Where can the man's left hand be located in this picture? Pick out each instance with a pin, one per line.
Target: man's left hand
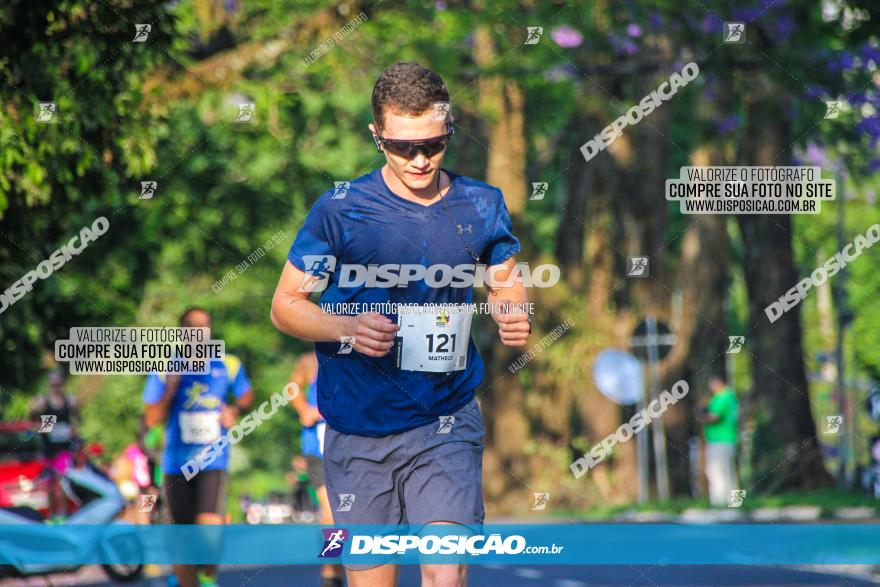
(513, 327)
(228, 416)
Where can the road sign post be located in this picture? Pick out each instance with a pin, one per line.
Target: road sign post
(652, 341)
(620, 377)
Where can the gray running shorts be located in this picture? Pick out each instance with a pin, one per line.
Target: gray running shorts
(433, 473)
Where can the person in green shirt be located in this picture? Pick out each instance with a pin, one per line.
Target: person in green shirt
(720, 427)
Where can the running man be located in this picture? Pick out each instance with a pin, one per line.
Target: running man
(195, 411)
(385, 459)
(305, 376)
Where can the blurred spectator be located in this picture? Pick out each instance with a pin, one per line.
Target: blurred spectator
(720, 427)
(132, 474)
(304, 499)
(56, 417)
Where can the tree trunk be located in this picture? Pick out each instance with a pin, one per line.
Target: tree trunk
(587, 246)
(502, 104)
(579, 179)
(702, 334)
(787, 451)
(703, 272)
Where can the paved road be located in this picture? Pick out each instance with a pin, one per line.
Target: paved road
(559, 576)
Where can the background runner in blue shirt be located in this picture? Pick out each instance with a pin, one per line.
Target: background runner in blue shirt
(197, 394)
(192, 407)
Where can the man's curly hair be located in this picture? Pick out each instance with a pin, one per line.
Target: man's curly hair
(406, 88)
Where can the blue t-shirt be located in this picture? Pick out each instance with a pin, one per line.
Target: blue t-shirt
(367, 224)
(310, 445)
(197, 393)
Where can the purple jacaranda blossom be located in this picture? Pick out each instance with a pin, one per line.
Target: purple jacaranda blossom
(870, 53)
(815, 155)
(614, 40)
(857, 98)
(622, 45)
(655, 20)
(727, 124)
(842, 61)
(231, 6)
(847, 60)
(745, 14)
(781, 28)
(440, 5)
(561, 72)
(710, 93)
(711, 25)
(566, 36)
(633, 30)
(816, 92)
(756, 10)
(870, 127)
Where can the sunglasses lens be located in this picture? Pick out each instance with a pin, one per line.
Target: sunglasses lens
(434, 147)
(401, 149)
(410, 149)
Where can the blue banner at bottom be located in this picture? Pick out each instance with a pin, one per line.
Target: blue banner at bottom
(531, 544)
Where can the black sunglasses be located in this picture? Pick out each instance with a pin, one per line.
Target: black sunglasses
(409, 149)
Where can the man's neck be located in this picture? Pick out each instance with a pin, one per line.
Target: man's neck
(425, 196)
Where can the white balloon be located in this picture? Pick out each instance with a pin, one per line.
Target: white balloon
(619, 376)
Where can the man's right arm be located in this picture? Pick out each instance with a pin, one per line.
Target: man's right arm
(293, 314)
(157, 412)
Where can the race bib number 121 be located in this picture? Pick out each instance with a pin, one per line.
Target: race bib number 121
(435, 342)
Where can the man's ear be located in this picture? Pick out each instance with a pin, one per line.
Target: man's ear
(375, 134)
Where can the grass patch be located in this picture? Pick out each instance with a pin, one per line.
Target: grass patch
(827, 499)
